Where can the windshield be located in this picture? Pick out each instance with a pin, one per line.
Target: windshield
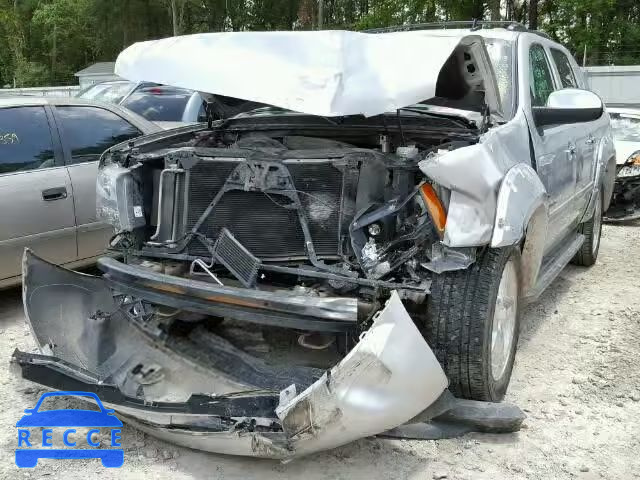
(501, 61)
(626, 128)
(108, 92)
(159, 103)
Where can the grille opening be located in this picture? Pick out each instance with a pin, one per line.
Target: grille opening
(260, 221)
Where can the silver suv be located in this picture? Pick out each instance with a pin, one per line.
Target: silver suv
(339, 258)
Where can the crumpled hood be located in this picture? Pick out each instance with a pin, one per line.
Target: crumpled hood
(328, 73)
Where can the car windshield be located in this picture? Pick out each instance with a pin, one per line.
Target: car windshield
(501, 61)
(626, 128)
(107, 92)
(159, 103)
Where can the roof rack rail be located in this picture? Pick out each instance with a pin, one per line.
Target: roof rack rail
(473, 25)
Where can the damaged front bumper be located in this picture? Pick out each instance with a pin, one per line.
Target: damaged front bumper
(204, 393)
(200, 391)
(257, 306)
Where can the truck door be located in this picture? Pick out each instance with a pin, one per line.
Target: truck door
(586, 134)
(557, 156)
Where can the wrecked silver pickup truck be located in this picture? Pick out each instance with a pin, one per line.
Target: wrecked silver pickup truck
(322, 267)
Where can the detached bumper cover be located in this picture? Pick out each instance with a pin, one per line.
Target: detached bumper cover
(202, 392)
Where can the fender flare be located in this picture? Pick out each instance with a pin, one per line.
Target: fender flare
(606, 171)
(604, 178)
(608, 180)
(522, 213)
(521, 194)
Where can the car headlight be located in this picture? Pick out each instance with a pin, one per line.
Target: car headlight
(631, 167)
(118, 199)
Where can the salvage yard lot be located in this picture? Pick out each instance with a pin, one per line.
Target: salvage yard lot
(577, 377)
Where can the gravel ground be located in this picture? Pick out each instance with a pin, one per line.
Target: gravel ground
(577, 377)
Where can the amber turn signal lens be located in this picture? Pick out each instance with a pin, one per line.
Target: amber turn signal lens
(436, 210)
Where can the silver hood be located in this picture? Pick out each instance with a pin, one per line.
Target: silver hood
(327, 73)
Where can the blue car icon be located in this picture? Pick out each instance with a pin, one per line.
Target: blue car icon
(28, 457)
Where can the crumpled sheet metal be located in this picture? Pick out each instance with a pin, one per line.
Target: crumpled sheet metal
(328, 73)
(388, 378)
(521, 193)
(474, 174)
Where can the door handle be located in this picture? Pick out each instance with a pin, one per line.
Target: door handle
(56, 193)
(572, 149)
(591, 140)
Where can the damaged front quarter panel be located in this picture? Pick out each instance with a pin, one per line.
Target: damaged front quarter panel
(473, 175)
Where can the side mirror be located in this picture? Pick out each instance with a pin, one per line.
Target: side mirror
(570, 105)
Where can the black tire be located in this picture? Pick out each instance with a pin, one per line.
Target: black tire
(592, 231)
(458, 324)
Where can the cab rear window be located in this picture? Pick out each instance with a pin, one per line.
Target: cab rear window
(158, 103)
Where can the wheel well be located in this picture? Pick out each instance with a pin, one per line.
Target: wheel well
(533, 248)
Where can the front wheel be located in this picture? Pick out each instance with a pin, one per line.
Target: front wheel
(592, 230)
(473, 321)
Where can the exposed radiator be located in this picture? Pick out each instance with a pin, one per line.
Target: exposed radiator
(258, 220)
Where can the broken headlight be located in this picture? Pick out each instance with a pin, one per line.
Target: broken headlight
(385, 236)
(118, 198)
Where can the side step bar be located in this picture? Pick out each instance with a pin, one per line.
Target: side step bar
(553, 265)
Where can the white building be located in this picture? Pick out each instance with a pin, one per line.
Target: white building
(96, 73)
(616, 85)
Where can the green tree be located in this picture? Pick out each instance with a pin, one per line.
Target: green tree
(46, 41)
(64, 27)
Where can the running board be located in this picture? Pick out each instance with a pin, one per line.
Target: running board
(553, 265)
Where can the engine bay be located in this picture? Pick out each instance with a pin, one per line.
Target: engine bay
(288, 212)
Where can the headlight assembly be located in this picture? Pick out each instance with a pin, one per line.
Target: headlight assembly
(631, 167)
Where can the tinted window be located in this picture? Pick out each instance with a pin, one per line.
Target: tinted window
(541, 81)
(160, 103)
(89, 131)
(25, 139)
(567, 78)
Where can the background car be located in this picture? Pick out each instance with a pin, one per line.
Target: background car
(49, 151)
(625, 204)
(170, 106)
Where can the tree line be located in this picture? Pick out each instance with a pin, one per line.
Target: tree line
(46, 41)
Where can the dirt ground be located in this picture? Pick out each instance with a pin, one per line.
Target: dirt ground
(577, 377)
